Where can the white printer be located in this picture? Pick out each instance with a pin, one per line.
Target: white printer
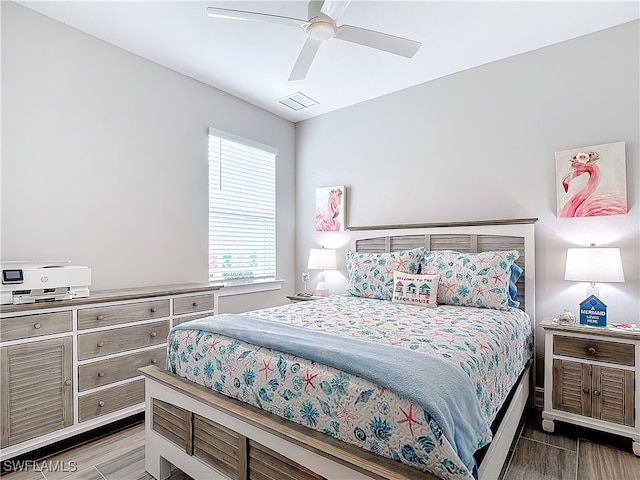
(30, 282)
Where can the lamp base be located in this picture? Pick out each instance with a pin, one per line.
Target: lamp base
(322, 289)
(593, 289)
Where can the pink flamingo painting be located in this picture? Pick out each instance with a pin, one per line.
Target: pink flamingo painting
(586, 202)
(329, 220)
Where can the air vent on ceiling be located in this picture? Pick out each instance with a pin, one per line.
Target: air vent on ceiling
(297, 101)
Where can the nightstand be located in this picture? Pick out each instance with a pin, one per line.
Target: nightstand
(591, 376)
(303, 298)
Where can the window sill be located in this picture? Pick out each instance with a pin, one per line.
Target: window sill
(250, 287)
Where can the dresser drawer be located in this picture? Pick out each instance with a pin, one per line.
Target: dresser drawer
(115, 314)
(188, 318)
(591, 349)
(110, 400)
(193, 304)
(27, 326)
(104, 372)
(117, 340)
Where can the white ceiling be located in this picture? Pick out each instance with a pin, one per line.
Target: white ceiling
(253, 60)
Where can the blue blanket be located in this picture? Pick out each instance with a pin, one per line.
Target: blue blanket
(438, 386)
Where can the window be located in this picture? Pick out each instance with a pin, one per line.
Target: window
(242, 209)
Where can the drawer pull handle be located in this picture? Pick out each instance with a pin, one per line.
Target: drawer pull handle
(100, 344)
(195, 304)
(153, 310)
(37, 326)
(154, 361)
(101, 403)
(67, 383)
(596, 393)
(100, 317)
(585, 390)
(592, 350)
(154, 334)
(101, 374)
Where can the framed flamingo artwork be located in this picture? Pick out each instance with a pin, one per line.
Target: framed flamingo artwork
(330, 209)
(591, 181)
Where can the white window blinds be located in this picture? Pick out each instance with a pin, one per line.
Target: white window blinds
(242, 209)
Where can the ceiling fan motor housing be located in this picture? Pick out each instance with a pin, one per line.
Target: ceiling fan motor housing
(321, 30)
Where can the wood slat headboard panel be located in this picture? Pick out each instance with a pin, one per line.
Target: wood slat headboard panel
(460, 242)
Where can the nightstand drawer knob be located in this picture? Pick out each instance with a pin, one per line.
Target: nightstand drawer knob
(592, 350)
(100, 344)
(101, 403)
(37, 326)
(153, 310)
(195, 304)
(596, 393)
(101, 374)
(585, 390)
(153, 334)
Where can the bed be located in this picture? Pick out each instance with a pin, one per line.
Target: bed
(335, 388)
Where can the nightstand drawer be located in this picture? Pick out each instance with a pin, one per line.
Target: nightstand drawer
(591, 349)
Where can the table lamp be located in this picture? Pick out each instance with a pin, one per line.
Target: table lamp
(594, 265)
(322, 259)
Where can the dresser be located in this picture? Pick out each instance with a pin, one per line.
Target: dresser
(591, 378)
(70, 366)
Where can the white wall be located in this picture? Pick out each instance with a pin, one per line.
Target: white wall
(479, 145)
(104, 159)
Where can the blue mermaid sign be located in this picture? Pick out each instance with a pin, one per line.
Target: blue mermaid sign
(593, 312)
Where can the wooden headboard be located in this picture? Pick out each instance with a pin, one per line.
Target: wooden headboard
(462, 237)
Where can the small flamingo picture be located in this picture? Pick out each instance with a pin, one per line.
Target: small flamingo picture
(591, 181)
(330, 214)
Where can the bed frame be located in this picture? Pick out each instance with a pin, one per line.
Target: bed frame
(209, 435)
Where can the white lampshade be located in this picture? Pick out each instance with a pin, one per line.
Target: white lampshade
(592, 264)
(322, 259)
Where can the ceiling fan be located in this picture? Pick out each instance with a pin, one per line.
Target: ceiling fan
(321, 26)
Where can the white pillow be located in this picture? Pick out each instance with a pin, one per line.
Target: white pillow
(415, 289)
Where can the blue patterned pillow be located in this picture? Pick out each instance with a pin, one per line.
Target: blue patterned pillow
(472, 279)
(370, 275)
(516, 272)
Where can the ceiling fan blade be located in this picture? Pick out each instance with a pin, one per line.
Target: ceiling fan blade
(334, 8)
(228, 13)
(307, 54)
(314, 8)
(378, 40)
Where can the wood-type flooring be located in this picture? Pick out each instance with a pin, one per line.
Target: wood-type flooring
(571, 453)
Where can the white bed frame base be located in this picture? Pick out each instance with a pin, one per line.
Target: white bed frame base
(161, 454)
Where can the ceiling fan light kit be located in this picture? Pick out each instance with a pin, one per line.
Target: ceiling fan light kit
(321, 30)
(321, 26)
